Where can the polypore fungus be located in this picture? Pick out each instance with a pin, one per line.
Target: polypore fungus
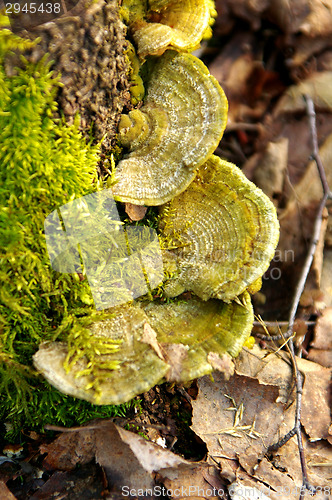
(179, 25)
(178, 127)
(189, 338)
(204, 328)
(222, 232)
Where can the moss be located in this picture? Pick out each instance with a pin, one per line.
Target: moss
(44, 163)
(136, 83)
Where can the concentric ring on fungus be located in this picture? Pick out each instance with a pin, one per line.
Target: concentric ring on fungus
(225, 231)
(178, 127)
(173, 24)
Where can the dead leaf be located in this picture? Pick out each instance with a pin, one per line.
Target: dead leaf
(286, 459)
(319, 21)
(223, 363)
(304, 48)
(326, 280)
(135, 212)
(315, 399)
(83, 483)
(237, 417)
(317, 86)
(267, 368)
(69, 450)
(271, 166)
(309, 189)
(150, 337)
(296, 228)
(288, 15)
(191, 481)
(175, 354)
(321, 356)
(323, 331)
(128, 460)
(231, 439)
(5, 493)
(152, 457)
(121, 466)
(315, 415)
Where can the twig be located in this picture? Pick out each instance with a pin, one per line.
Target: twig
(275, 324)
(296, 299)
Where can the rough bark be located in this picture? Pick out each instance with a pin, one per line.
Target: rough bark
(87, 47)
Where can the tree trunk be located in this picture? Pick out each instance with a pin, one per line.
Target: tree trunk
(87, 47)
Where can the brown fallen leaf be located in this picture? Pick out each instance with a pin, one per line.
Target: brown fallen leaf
(267, 368)
(323, 330)
(121, 466)
(326, 279)
(305, 47)
(150, 337)
(319, 21)
(236, 417)
(129, 461)
(135, 212)
(83, 483)
(320, 349)
(315, 415)
(315, 399)
(286, 459)
(193, 481)
(5, 493)
(317, 86)
(248, 10)
(270, 167)
(223, 363)
(238, 420)
(69, 450)
(288, 16)
(309, 189)
(296, 228)
(175, 354)
(321, 356)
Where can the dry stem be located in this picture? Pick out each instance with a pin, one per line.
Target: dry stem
(296, 299)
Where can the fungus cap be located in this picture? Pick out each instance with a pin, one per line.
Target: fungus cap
(178, 127)
(195, 328)
(223, 230)
(177, 25)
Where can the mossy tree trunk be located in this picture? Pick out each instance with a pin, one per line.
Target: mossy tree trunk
(43, 164)
(87, 48)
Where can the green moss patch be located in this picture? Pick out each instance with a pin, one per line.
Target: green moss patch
(44, 163)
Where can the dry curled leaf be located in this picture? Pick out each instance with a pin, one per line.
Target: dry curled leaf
(150, 337)
(135, 212)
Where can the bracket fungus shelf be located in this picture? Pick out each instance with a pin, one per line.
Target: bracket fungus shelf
(158, 342)
(217, 230)
(173, 24)
(223, 231)
(176, 130)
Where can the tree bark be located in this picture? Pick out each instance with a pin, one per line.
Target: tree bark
(87, 47)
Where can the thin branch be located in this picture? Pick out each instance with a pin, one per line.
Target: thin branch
(296, 299)
(275, 324)
(314, 139)
(279, 324)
